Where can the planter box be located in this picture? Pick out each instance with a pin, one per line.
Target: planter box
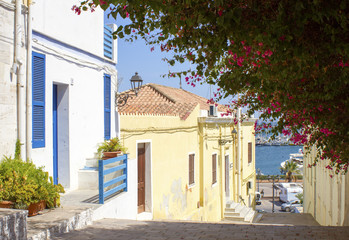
(6, 204)
(107, 155)
(35, 208)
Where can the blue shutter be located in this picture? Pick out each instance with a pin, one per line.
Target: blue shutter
(38, 99)
(107, 101)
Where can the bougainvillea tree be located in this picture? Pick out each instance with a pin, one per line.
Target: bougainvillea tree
(287, 59)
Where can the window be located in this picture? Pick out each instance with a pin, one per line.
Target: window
(108, 42)
(38, 100)
(107, 102)
(249, 152)
(214, 168)
(191, 169)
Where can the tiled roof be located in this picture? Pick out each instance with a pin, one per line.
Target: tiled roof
(154, 99)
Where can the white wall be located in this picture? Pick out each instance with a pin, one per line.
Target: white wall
(73, 46)
(8, 96)
(123, 206)
(56, 19)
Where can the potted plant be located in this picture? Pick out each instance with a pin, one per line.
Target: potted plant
(27, 186)
(110, 148)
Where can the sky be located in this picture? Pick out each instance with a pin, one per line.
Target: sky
(137, 57)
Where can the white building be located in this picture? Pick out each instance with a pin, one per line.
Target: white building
(66, 94)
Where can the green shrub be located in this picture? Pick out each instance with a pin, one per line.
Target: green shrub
(23, 183)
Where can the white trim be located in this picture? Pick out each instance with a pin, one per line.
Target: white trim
(150, 154)
(193, 184)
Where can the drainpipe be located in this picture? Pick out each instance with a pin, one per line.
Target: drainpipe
(239, 155)
(221, 174)
(28, 83)
(17, 67)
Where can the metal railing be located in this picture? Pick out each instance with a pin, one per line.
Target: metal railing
(108, 42)
(118, 178)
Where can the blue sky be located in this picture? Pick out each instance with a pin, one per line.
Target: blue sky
(137, 57)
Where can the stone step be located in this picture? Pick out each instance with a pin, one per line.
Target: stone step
(250, 215)
(92, 162)
(88, 179)
(231, 204)
(236, 218)
(231, 214)
(58, 221)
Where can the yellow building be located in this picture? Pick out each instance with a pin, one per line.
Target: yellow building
(191, 161)
(325, 197)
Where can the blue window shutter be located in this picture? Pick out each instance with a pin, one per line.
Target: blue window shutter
(107, 103)
(38, 99)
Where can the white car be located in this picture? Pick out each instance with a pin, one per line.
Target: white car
(289, 206)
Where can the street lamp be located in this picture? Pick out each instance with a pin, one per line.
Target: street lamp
(273, 179)
(136, 83)
(224, 141)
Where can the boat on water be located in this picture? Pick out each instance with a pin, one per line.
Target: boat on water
(297, 158)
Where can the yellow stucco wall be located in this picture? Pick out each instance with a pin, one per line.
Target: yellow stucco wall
(326, 198)
(171, 140)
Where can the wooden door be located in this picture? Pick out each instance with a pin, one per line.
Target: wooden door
(141, 177)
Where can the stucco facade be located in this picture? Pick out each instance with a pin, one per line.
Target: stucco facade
(73, 68)
(326, 198)
(169, 140)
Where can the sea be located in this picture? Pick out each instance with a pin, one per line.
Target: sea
(269, 158)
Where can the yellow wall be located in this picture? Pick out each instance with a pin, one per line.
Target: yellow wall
(172, 140)
(326, 198)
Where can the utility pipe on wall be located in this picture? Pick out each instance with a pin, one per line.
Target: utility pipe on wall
(28, 83)
(239, 154)
(19, 72)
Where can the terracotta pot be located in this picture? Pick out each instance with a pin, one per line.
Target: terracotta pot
(107, 155)
(6, 204)
(35, 208)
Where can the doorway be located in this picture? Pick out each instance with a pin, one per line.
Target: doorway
(141, 177)
(60, 134)
(55, 131)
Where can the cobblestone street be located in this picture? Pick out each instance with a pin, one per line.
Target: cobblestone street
(110, 229)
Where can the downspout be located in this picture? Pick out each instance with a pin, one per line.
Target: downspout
(28, 83)
(239, 155)
(17, 67)
(221, 173)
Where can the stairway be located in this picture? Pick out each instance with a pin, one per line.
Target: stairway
(88, 176)
(238, 213)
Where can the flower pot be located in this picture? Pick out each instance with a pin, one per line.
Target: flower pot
(35, 208)
(107, 155)
(6, 204)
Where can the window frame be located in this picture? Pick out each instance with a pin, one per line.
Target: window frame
(107, 106)
(214, 171)
(249, 155)
(38, 143)
(191, 184)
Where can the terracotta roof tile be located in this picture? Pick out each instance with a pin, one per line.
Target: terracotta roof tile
(154, 99)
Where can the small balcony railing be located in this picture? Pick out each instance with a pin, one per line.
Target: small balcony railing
(112, 178)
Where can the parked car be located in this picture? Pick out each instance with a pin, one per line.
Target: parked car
(290, 205)
(258, 198)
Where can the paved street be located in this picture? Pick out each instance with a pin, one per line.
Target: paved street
(267, 205)
(110, 229)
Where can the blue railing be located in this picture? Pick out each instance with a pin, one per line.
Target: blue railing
(108, 42)
(120, 179)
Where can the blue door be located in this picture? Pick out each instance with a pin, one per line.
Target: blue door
(55, 142)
